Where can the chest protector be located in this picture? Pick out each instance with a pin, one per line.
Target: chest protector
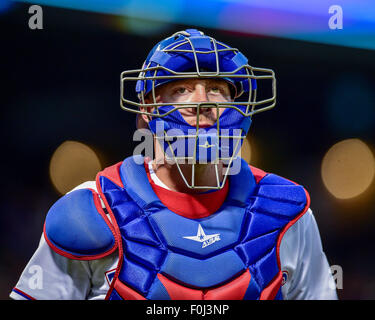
(232, 254)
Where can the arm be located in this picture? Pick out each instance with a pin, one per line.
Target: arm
(50, 276)
(70, 264)
(302, 257)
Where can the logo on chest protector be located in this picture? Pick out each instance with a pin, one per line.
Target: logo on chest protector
(206, 239)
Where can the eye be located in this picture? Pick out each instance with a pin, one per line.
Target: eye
(180, 90)
(215, 90)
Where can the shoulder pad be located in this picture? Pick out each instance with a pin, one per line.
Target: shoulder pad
(77, 227)
(282, 197)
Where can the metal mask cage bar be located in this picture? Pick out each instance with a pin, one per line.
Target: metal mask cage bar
(197, 74)
(225, 161)
(219, 185)
(251, 103)
(192, 159)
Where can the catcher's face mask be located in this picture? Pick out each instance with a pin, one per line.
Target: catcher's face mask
(192, 55)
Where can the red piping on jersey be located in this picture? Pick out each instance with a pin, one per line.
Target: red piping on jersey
(281, 235)
(113, 174)
(21, 293)
(86, 257)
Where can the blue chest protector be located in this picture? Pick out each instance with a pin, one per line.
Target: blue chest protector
(230, 254)
(167, 256)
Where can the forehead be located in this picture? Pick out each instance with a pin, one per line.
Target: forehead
(194, 82)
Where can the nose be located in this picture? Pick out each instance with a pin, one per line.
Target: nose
(199, 95)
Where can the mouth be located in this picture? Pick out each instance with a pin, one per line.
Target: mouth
(203, 125)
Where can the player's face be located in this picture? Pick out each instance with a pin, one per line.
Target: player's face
(196, 90)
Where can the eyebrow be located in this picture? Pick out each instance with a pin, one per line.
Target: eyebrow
(192, 81)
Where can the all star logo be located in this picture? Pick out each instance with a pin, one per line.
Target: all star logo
(205, 239)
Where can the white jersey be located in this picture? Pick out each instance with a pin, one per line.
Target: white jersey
(50, 276)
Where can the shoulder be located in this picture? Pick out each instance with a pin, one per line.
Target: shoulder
(300, 230)
(76, 225)
(268, 178)
(299, 239)
(281, 194)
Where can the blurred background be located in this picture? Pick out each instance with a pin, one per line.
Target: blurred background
(61, 121)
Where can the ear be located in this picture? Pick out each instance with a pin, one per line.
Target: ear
(142, 121)
(143, 117)
(148, 100)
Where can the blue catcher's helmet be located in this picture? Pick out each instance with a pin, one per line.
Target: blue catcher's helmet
(190, 54)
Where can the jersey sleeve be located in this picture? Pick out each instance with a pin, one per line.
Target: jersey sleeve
(51, 276)
(305, 267)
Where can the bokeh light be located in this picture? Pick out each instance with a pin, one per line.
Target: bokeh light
(72, 164)
(348, 168)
